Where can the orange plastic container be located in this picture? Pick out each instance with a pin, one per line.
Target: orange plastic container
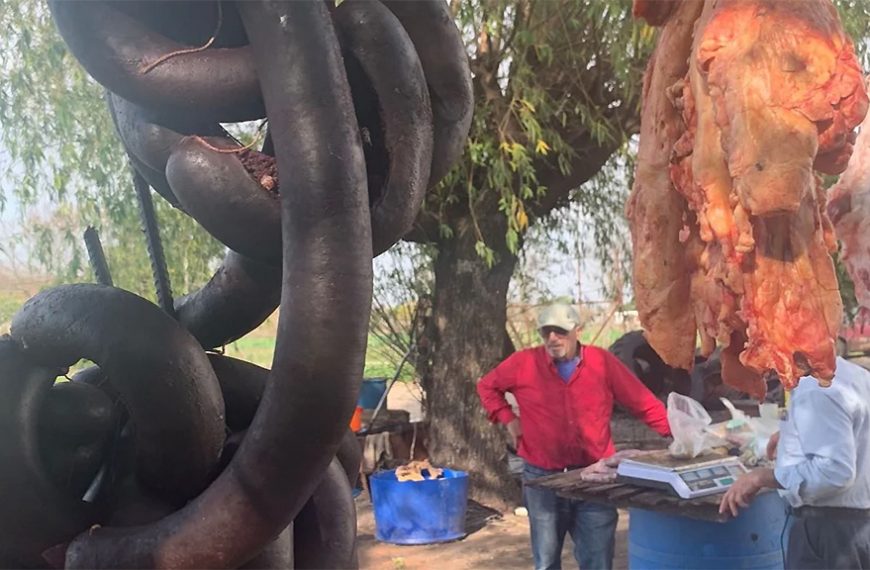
(356, 419)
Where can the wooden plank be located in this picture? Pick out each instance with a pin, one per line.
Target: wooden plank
(653, 497)
(710, 499)
(557, 480)
(569, 483)
(624, 493)
(659, 501)
(603, 488)
(587, 492)
(571, 480)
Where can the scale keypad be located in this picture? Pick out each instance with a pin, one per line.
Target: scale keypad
(711, 477)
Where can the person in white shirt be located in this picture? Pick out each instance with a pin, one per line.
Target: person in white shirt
(823, 470)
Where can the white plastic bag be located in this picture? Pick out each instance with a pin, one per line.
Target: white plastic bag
(688, 420)
(740, 429)
(765, 426)
(749, 434)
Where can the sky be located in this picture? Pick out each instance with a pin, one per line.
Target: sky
(9, 219)
(558, 275)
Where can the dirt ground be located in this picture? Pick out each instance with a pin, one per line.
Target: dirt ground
(494, 541)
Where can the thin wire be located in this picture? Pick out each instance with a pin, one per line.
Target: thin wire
(782, 534)
(258, 136)
(203, 47)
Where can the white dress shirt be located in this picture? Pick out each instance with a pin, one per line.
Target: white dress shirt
(823, 457)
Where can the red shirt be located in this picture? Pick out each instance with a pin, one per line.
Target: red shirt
(567, 424)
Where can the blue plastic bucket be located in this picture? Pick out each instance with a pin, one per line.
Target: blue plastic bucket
(370, 392)
(752, 540)
(419, 512)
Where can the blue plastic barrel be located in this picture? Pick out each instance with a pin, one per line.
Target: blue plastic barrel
(370, 392)
(419, 512)
(752, 540)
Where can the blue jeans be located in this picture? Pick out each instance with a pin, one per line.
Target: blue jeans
(592, 526)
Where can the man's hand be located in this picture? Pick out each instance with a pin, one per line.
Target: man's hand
(771, 446)
(515, 430)
(743, 491)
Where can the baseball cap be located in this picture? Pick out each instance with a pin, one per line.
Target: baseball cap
(559, 315)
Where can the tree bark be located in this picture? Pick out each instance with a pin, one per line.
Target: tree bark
(469, 338)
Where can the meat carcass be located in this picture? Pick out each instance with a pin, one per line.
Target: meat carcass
(662, 271)
(849, 209)
(770, 92)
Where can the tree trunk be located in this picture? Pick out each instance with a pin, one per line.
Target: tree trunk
(469, 338)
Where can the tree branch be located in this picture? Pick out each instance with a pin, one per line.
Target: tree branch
(426, 229)
(583, 167)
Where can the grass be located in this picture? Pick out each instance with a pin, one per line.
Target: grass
(258, 348)
(253, 349)
(10, 302)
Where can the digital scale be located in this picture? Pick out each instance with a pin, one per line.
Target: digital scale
(707, 474)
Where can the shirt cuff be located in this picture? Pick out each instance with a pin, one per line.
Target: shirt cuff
(505, 416)
(791, 481)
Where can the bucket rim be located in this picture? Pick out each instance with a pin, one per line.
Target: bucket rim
(455, 474)
(413, 541)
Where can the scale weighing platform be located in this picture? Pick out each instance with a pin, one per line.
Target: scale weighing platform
(707, 474)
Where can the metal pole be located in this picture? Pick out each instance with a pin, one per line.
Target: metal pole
(155, 247)
(97, 257)
(383, 399)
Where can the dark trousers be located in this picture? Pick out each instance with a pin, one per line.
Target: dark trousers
(820, 542)
(592, 527)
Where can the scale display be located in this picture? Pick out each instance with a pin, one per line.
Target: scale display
(688, 478)
(718, 478)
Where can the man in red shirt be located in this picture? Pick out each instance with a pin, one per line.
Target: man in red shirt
(565, 392)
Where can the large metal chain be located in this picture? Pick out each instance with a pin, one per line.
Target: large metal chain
(163, 455)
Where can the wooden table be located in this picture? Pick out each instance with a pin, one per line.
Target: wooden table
(569, 485)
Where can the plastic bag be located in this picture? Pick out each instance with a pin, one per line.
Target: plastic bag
(750, 435)
(739, 430)
(688, 420)
(766, 425)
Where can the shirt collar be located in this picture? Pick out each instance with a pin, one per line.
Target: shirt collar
(578, 355)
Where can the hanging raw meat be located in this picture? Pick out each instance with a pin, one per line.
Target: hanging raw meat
(770, 92)
(849, 209)
(662, 271)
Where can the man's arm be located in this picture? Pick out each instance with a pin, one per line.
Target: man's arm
(745, 488)
(492, 387)
(629, 391)
(824, 428)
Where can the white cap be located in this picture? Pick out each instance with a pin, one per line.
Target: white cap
(559, 315)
